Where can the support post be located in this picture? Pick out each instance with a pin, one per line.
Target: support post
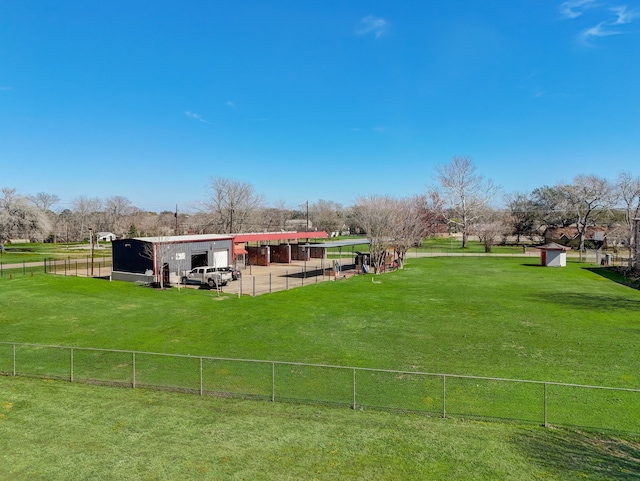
(353, 401)
(444, 396)
(273, 382)
(133, 367)
(71, 365)
(545, 405)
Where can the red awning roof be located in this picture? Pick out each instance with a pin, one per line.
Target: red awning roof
(239, 251)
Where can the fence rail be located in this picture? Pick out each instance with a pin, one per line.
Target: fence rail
(599, 407)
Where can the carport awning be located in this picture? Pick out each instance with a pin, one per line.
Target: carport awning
(239, 251)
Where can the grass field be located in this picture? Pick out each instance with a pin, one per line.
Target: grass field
(56, 430)
(474, 316)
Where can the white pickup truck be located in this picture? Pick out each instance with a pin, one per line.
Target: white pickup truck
(206, 275)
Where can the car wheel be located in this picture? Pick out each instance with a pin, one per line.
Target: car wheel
(212, 283)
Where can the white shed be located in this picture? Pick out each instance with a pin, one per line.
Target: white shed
(553, 255)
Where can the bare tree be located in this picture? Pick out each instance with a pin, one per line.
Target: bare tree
(379, 217)
(274, 218)
(430, 214)
(44, 201)
(231, 204)
(117, 210)
(522, 215)
(19, 218)
(465, 193)
(628, 190)
(590, 197)
(490, 228)
(85, 211)
(326, 215)
(409, 229)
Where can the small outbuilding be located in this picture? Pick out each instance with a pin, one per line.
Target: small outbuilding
(553, 255)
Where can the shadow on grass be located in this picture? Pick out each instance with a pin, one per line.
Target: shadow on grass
(591, 301)
(612, 274)
(577, 454)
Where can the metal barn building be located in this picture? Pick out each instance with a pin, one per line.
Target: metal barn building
(166, 259)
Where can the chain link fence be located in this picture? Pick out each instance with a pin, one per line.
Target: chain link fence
(443, 395)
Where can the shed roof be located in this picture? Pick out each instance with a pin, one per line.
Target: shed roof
(185, 238)
(552, 246)
(343, 243)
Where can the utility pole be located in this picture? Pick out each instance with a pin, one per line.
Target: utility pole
(175, 231)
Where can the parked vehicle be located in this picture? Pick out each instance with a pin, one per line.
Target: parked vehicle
(235, 274)
(207, 275)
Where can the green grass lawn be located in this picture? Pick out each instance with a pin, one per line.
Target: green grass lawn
(501, 317)
(475, 316)
(56, 430)
(38, 252)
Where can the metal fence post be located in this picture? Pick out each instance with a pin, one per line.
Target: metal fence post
(286, 277)
(71, 365)
(545, 404)
(254, 286)
(14, 360)
(201, 390)
(273, 382)
(133, 362)
(353, 403)
(269, 282)
(444, 396)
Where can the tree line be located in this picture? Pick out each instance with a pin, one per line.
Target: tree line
(460, 200)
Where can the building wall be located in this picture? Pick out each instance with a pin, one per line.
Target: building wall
(136, 256)
(556, 258)
(281, 253)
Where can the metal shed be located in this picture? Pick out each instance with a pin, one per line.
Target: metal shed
(165, 259)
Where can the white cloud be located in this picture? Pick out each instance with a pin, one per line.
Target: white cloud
(195, 116)
(614, 16)
(575, 8)
(624, 16)
(370, 24)
(599, 30)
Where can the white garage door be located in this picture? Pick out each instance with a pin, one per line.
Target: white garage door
(220, 258)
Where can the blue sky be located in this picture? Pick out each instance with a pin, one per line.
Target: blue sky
(311, 100)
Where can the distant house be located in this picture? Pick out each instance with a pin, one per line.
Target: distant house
(106, 237)
(569, 236)
(298, 224)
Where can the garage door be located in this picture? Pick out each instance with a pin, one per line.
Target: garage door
(220, 258)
